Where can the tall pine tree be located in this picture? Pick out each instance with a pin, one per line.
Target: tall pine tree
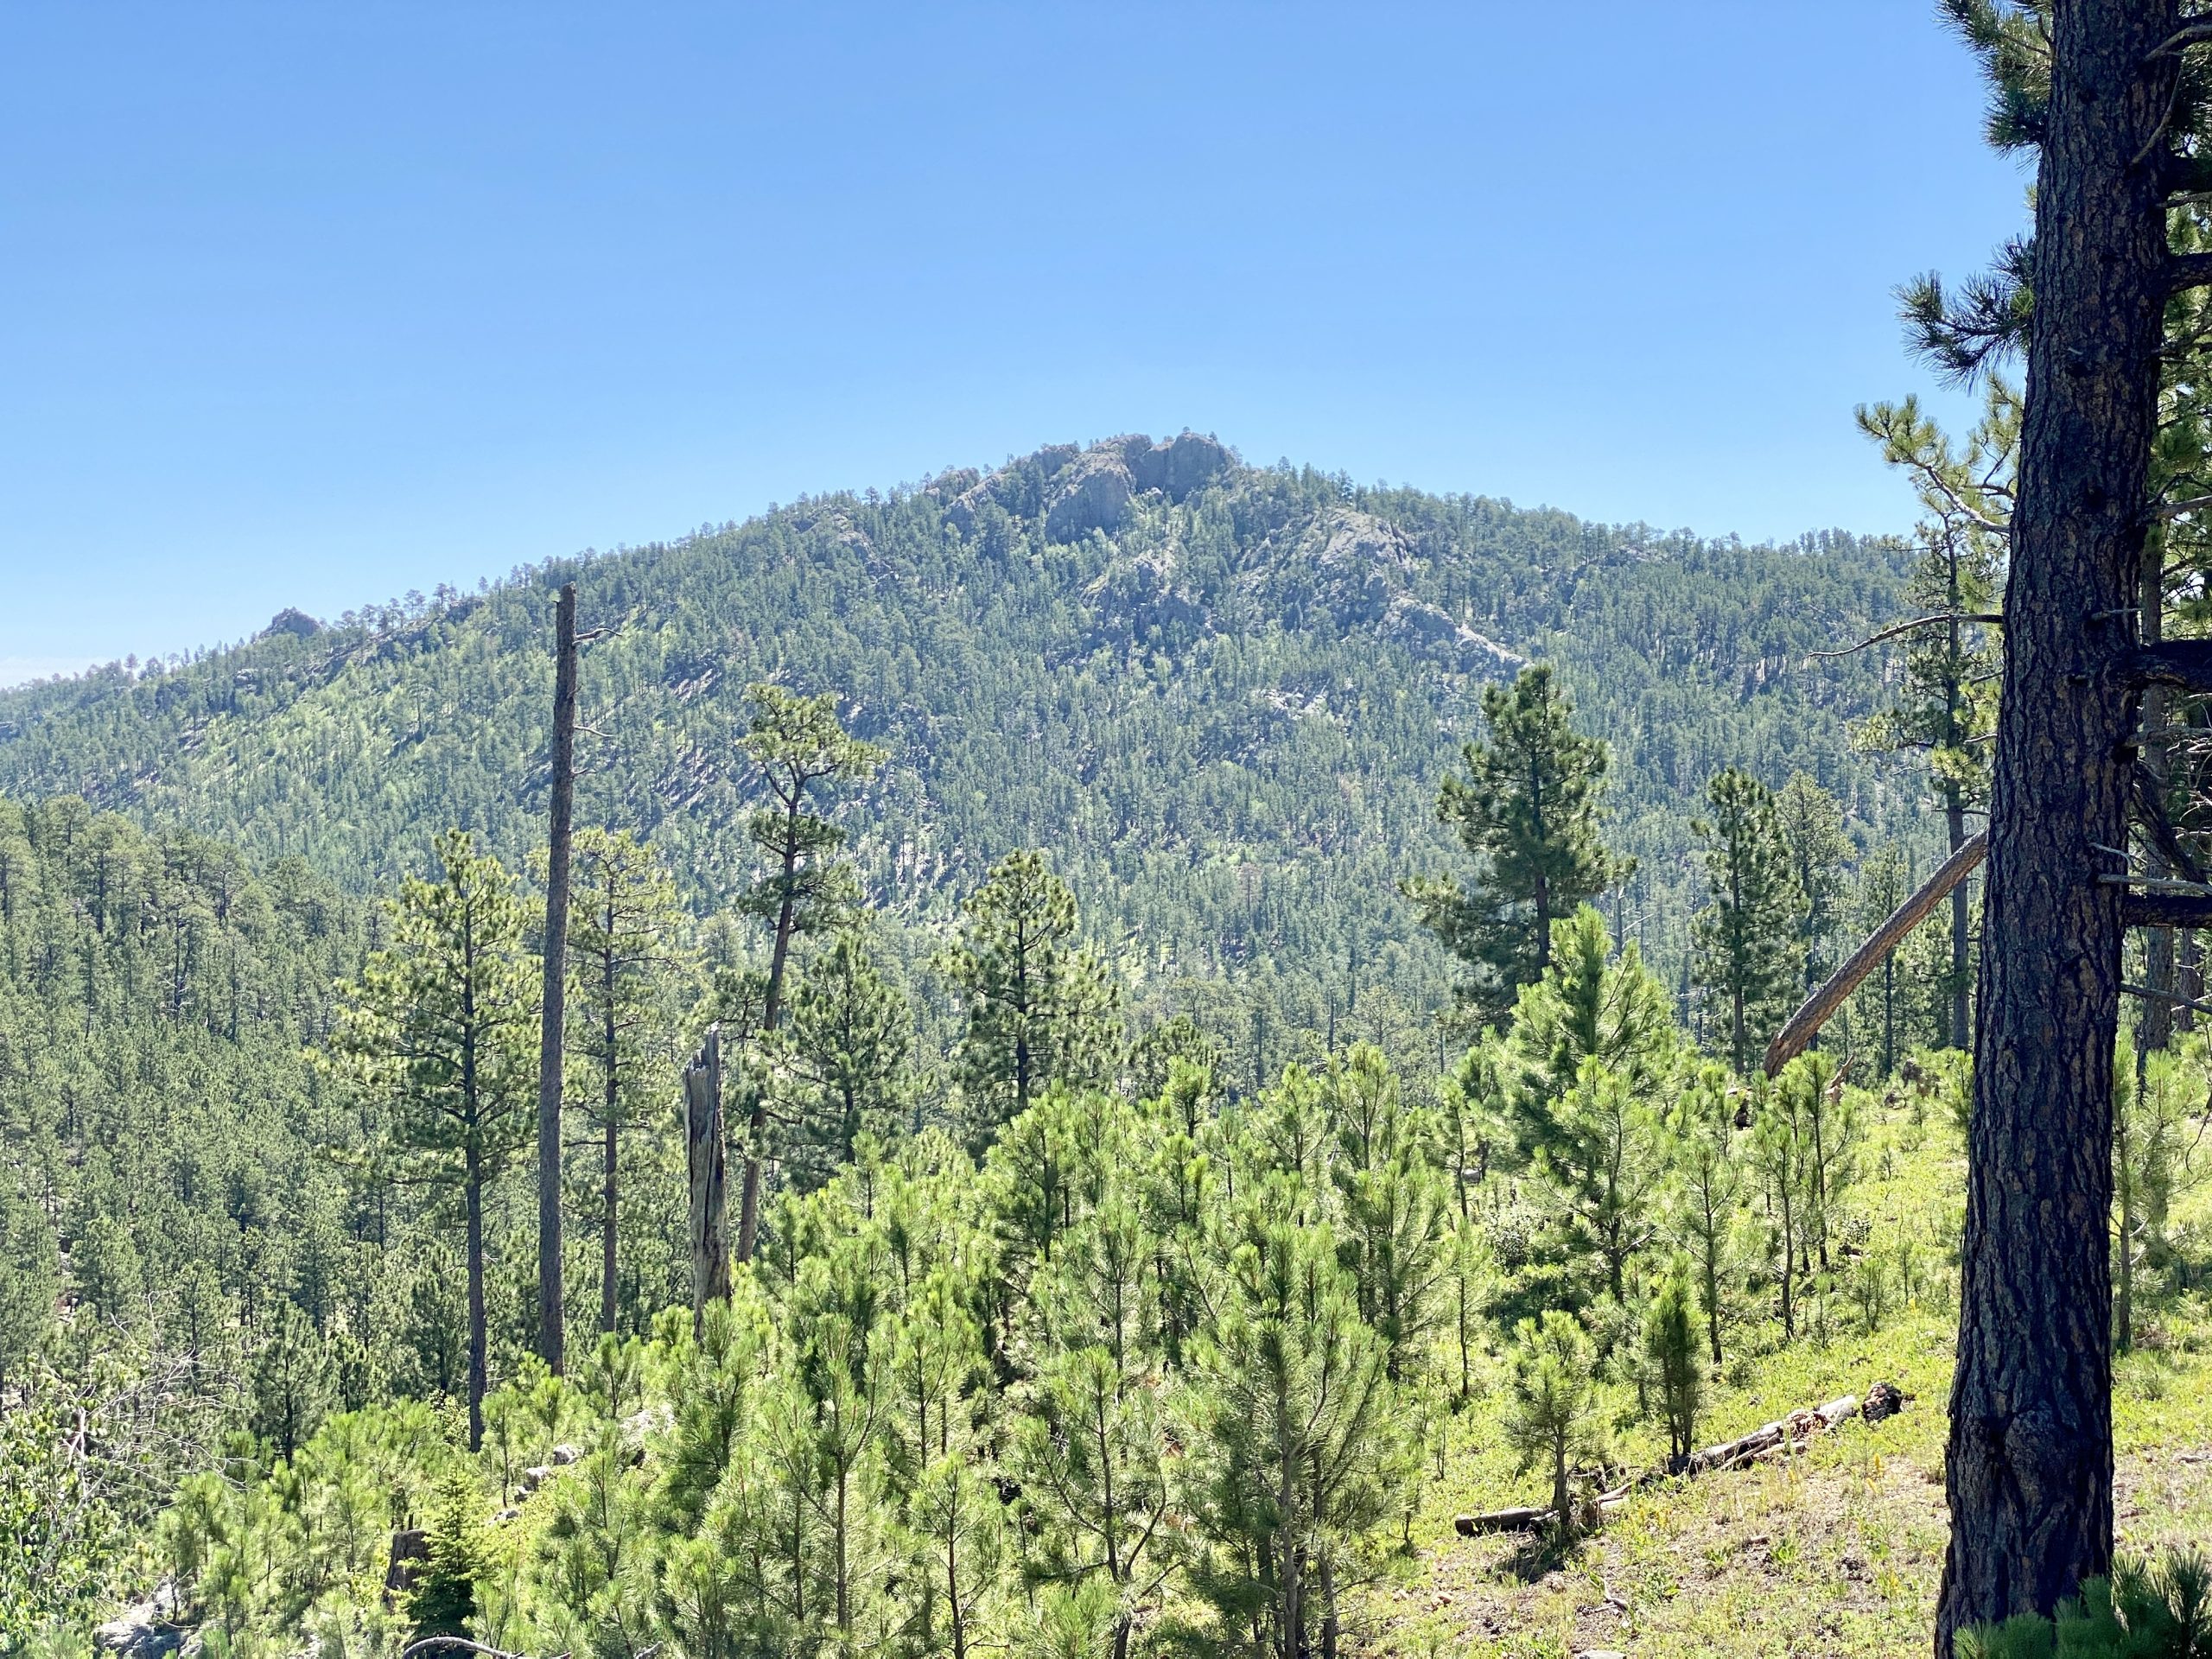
(802, 752)
(1040, 1008)
(1528, 812)
(439, 1027)
(1749, 939)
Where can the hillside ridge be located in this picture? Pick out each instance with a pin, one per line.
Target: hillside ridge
(1221, 695)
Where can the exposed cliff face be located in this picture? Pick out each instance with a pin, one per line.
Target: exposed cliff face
(1077, 491)
(1092, 494)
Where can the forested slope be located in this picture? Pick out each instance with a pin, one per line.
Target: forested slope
(1221, 695)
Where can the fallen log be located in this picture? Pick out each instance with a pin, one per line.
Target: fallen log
(1768, 1440)
(1521, 1518)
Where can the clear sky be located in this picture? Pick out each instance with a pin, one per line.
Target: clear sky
(312, 304)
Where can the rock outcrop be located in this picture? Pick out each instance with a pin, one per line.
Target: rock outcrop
(1093, 494)
(1178, 467)
(294, 621)
(1079, 491)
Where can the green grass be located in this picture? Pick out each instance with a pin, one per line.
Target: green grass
(1835, 1553)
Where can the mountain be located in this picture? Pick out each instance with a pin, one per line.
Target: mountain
(1221, 695)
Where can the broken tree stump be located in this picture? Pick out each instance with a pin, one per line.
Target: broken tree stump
(704, 1157)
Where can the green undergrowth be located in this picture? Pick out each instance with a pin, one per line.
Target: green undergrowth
(1836, 1551)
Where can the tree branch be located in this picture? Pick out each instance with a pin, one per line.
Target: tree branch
(2187, 270)
(2188, 35)
(2184, 663)
(1989, 617)
(2149, 994)
(2166, 910)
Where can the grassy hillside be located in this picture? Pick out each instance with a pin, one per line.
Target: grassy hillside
(1837, 1552)
(1221, 695)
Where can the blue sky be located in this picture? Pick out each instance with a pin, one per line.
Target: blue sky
(310, 304)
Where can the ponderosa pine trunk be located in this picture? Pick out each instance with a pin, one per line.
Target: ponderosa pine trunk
(2030, 1464)
(551, 1297)
(2154, 1019)
(472, 1206)
(748, 1208)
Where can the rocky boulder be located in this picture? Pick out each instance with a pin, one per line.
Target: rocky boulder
(144, 1630)
(296, 623)
(1359, 565)
(1177, 469)
(1093, 494)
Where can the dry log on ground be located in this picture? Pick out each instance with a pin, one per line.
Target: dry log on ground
(1768, 1440)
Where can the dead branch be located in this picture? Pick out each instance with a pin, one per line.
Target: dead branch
(1990, 618)
(1806, 1023)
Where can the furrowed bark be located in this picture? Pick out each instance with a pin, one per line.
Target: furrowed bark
(551, 1312)
(2029, 1468)
(709, 1212)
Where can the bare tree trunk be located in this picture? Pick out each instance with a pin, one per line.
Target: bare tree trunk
(2188, 981)
(702, 1139)
(2030, 1463)
(472, 1205)
(756, 1125)
(551, 1311)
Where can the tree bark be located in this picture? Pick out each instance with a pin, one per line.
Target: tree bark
(2030, 1463)
(756, 1126)
(551, 1312)
(472, 1205)
(710, 1216)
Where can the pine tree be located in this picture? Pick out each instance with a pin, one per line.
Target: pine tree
(1670, 1352)
(1945, 708)
(2114, 107)
(1391, 1202)
(1749, 938)
(845, 1052)
(1573, 1081)
(1602, 1154)
(291, 1382)
(29, 1281)
(1528, 812)
(439, 1026)
(446, 1600)
(1804, 1143)
(1089, 1445)
(1286, 1416)
(1708, 1188)
(1821, 857)
(1551, 1406)
(801, 752)
(624, 955)
(1040, 1008)
(1880, 1005)
(1593, 1003)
